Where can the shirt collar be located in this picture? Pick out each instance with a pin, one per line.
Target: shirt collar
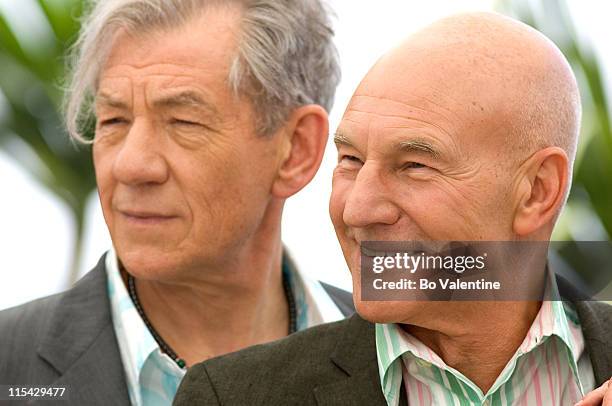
(136, 343)
(554, 319)
(314, 306)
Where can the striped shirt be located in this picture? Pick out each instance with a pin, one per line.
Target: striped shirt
(153, 377)
(550, 367)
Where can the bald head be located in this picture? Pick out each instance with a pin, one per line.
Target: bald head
(466, 131)
(493, 72)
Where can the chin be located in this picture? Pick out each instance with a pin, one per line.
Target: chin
(389, 311)
(147, 264)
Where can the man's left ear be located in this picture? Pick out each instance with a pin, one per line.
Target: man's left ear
(542, 190)
(306, 135)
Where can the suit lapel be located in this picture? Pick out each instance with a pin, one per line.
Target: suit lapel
(358, 389)
(596, 323)
(355, 355)
(80, 343)
(97, 377)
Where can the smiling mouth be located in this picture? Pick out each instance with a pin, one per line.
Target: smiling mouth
(368, 252)
(372, 253)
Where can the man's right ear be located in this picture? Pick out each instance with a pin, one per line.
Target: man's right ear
(308, 129)
(542, 190)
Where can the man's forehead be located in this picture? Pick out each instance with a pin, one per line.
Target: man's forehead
(191, 97)
(182, 66)
(378, 115)
(402, 104)
(206, 43)
(437, 78)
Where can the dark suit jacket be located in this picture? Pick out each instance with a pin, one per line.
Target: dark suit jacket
(68, 339)
(335, 364)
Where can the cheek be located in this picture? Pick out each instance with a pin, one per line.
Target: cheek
(474, 210)
(443, 210)
(208, 189)
(340, 190)
(103, 167)
(226, 196)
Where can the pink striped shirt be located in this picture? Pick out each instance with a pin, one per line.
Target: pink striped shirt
(550, 367)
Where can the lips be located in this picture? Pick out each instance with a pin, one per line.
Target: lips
(144, 214)
(146, 217)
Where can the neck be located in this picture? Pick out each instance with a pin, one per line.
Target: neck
(483, 340)
(240, 304)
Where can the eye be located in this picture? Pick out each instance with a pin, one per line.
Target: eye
(350, 160)
(112, 121)
(187, 123)
(414, 165)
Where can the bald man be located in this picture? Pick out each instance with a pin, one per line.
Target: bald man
(465, 132)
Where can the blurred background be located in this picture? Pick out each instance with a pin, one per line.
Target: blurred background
(51, 225)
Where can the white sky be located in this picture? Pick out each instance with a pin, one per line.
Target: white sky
(36, 229)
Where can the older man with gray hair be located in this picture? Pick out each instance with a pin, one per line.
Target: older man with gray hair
(208, 115)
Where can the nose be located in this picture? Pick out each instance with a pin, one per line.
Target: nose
(369, 201)
(140, 159)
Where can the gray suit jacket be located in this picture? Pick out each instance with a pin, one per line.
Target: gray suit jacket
(335, 364)
(68, 340)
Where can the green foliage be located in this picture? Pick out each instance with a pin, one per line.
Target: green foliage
(588, 214)
(32, 70)
(589, 206)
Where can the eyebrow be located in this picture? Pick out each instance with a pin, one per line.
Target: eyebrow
(186, 98)
(341, 139)
(419, 146)
(108, 100)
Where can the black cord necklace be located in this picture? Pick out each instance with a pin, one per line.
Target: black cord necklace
(165, 348)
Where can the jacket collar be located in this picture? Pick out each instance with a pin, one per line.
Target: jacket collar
(355, 355)
(80, 343)
(596, 323)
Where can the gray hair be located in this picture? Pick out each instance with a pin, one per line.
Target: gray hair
(285, 57)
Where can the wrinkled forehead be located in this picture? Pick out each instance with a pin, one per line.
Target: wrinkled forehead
(205, 42)
(429, 94)
(382, 117)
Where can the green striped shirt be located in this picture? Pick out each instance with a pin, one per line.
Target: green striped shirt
(550, 367)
